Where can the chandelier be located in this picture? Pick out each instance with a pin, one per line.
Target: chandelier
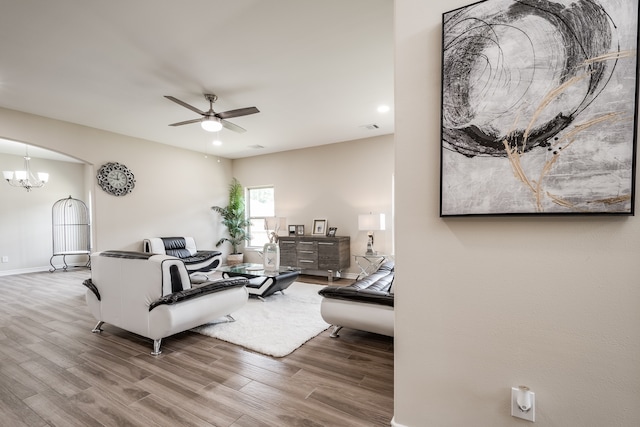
(25, 178)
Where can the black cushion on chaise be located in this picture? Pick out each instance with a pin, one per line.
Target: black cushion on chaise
(366, 304)
(375, 288)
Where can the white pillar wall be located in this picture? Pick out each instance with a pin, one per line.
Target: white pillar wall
(485, 304)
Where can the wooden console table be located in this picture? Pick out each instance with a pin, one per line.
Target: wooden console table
(316, 253)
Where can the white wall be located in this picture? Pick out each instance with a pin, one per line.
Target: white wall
(334, 182)
(484, 304)
(174, 189)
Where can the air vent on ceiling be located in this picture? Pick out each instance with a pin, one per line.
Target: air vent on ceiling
(256, 147)
(371, 126)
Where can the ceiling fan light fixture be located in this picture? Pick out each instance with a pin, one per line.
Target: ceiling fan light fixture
(212, 121)
(211, 125)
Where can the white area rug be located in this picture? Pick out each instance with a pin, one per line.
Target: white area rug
(276, 326)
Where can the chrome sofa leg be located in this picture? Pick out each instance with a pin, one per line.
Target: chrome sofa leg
(334, 333)
(98, 328)
(156, 347)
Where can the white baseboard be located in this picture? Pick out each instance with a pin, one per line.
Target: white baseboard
(395, 424)
(24, 271)
(349, 276)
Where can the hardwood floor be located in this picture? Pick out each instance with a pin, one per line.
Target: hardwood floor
(55, 372)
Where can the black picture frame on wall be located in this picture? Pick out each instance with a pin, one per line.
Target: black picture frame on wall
(539, 111)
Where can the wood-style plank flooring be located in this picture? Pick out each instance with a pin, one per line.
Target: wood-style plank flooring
(55, 372)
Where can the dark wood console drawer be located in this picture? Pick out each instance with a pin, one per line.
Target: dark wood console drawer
(307, 251)
(307, 245)
(288, 254)
(307, 264)
(315, 252)
(333, 255)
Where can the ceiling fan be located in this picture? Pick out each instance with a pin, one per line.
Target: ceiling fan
(212, 121)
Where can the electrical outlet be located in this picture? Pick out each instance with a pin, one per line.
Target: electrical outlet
(5, 259)
(529, 415)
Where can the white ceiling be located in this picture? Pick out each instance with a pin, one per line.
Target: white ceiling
(316, 70)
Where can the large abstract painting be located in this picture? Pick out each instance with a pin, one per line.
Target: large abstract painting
(539, 107)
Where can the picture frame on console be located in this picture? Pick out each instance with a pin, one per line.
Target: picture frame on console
(292, 230)
(332, 231)
(319, 227)
(300, 230)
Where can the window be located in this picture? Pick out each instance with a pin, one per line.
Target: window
(260, 205)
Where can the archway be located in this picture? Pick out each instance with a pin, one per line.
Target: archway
(25, 217)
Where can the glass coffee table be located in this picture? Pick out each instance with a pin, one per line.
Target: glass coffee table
(262, 283)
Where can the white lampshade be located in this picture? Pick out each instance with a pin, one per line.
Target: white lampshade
(371, 222)
(273, 223)
(43, 176)
(21, 174)
(7, 174)
(211, 125)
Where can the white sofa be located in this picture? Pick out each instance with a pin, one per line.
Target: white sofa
(151, 295)
(366, 304)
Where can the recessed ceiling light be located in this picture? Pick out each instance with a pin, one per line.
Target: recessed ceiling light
(383, 109)
(217, 142)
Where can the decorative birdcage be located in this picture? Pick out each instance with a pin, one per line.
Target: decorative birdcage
(71, 228)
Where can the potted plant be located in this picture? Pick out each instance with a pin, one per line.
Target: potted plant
(233, 217)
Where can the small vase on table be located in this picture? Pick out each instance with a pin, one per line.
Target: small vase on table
(271, 256)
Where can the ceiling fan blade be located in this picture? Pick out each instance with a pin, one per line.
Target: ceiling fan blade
(232, 127)
(185, 105)
(237, 113)
(186, 122)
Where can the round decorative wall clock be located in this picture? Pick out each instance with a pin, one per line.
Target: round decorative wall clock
(116, 179)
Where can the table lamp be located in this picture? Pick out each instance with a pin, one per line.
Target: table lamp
(371, 222)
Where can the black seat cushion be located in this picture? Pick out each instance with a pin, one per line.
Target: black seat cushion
(195, 292)
(374, 289)
(199, 256)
